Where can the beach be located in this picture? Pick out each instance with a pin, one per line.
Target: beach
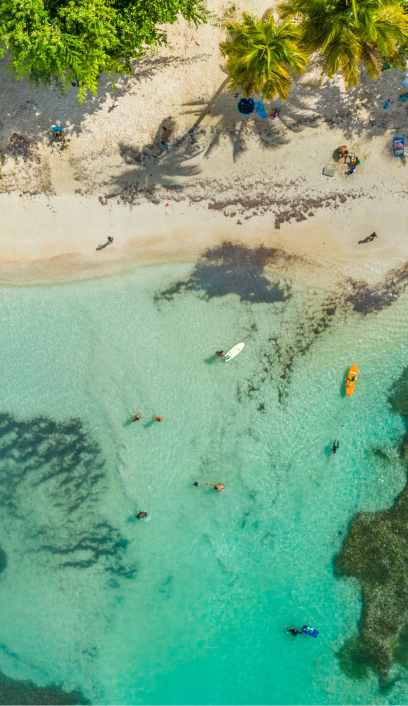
(230, 233)
(223, 177)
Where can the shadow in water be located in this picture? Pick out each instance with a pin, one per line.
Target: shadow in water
(234, 269)
(3, 560)
(344, 383)
(211, 359)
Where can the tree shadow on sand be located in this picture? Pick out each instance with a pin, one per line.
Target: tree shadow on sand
(32, 106)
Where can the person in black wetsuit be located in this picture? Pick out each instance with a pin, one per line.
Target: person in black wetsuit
(294, 631)
(336, 445)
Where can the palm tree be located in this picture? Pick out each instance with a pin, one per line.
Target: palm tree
(350, 34)
(261, 56)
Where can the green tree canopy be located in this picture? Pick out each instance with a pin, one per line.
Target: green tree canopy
(62, 39)
(350, 34)
(262, 54)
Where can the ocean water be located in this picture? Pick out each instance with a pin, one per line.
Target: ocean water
(190, 606)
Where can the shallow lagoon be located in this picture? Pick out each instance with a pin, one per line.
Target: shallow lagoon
(189, 607)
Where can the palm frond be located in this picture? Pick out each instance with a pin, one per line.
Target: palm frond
(262, 54)
(350, 34)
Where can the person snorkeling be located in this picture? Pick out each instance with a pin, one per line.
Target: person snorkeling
(294, 631)
(219, 486)
(336, 445)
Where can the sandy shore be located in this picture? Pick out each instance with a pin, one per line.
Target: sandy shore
(61, 238)
(225, 177)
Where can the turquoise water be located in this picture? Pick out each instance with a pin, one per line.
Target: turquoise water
(189, 607)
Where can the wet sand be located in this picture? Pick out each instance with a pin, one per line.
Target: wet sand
(63, 238)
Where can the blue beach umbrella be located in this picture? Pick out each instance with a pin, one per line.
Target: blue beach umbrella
(246, 106)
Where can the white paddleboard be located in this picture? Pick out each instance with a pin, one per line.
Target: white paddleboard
(234, 351)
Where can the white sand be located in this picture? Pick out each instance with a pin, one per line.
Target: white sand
(266, 174)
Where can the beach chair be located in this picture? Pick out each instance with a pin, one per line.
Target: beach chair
(398, 145)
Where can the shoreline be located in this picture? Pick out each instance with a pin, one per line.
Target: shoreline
(226, 177)
(60, 244)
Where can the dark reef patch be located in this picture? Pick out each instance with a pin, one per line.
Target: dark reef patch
(103, 543)
(375, 552)
(58, 455)
(235, 269)
(16, 691)
(303, 321)
(316, 318)
(64, 460)
(366, 299)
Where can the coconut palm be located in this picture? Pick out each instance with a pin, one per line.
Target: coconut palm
(262, 55)
(350, 34)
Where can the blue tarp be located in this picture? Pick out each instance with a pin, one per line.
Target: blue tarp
(260, 109)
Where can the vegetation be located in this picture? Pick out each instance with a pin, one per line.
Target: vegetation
(64, 39)
(262, 55)
(350, 34)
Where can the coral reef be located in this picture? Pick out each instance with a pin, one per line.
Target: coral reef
(376, 553)
(16, 691)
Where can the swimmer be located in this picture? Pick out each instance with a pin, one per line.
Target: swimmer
(295, 631)
(335, 445)
(141, 515)
(219, 486)
(158, 419)
(137, 417)
(221, 354)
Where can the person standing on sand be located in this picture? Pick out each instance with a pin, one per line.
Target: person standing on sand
(110, 238)
(373, 235)
(137, 417)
